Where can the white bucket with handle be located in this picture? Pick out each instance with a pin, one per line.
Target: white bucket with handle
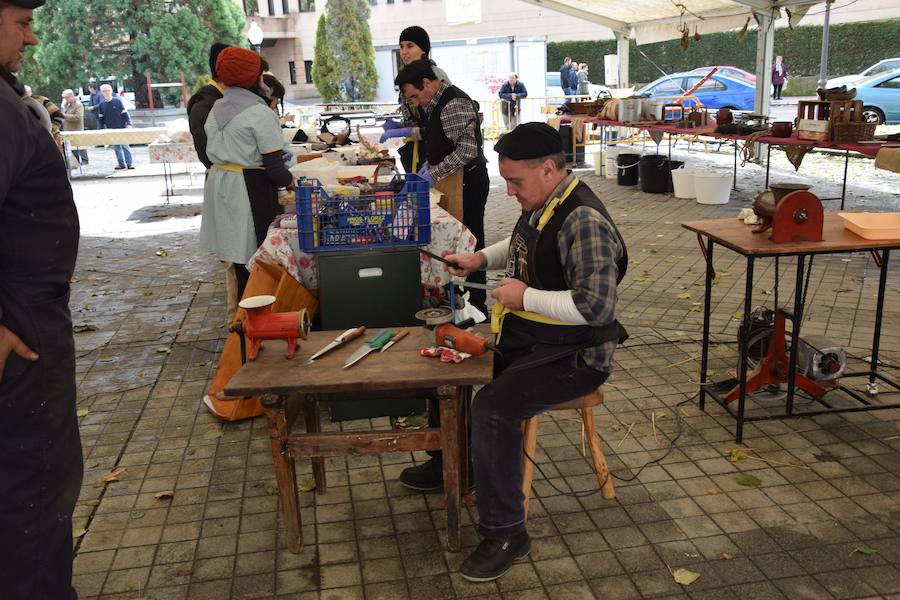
(712, 187)
(683, 183)
(612, 167)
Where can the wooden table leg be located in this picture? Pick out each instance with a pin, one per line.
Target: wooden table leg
(314, 425)
(285, 471)
(450, 443)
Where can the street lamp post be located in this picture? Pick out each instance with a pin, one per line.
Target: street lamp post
(255, 35)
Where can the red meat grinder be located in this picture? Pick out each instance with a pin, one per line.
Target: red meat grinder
(262, 324)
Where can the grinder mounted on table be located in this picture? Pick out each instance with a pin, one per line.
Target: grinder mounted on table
(791, 212)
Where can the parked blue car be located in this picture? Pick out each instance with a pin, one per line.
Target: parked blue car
(881, 97)
(719, 91)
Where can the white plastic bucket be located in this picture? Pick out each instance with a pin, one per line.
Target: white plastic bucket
(598, 163)
(630, 110)
(683, 183)
(712, 187)
(612, 168)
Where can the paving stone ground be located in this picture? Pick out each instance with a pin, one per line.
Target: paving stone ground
(830, 486)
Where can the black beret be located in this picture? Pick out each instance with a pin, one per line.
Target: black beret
(415, 72)
(418, 36)
(27, 3)
(529, 140)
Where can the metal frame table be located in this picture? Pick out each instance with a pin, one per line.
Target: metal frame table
(734, 235)
(290, 387)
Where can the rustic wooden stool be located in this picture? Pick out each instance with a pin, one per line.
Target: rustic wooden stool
(584, 405)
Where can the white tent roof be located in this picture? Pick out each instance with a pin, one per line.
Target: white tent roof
(657, 20)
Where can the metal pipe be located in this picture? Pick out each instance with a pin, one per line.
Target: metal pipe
(823, 62)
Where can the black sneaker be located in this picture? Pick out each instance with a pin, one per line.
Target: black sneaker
(130, 167)
(120, 167)
(427, 477)
(493, 558)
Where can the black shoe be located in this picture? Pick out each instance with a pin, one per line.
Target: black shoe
(130, 167)
(427, 477)
(493, 558)
(120, 167)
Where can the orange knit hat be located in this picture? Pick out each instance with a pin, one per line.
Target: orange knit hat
(238, 67)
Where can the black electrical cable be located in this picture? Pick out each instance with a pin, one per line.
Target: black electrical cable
(586, 493)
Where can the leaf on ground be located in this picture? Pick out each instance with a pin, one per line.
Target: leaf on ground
(842, 290)
(306, 484)
(148, 293)
(767, 292)
(748, 480)
(164, 495)
(163, 350)
(137, 514)
(183, 572)
(684, 296)
(685, 577)
(866, 550)
(616, 427)
(727, 555)
(115, 475)
(83, 328)
(161, 253)
(736, 454)
(697, 308)
(271, 490)
(737, 315)
(712, 491)
(77, 533)
(82, 412)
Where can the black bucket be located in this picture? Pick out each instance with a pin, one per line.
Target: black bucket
(656, 175)
(628, 169)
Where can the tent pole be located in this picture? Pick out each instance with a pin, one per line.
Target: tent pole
(622, 49)
(765, 49)
(823, 62)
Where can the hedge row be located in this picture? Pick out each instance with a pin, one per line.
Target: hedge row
(852, 47)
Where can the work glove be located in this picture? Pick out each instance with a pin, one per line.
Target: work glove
(425, 173)
(390, 123)
(400, 132)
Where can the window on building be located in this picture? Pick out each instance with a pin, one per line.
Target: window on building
(373, 2)
(307, 5)
(292, 72)
(285, 7)
(307, 66)
(390, 1)
(271, 7)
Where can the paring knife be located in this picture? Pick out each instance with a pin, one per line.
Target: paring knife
(349, 335)
(400, 335)
(376, 343)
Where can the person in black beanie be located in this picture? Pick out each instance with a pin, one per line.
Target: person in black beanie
(202, 102)
(40, 450)
(414, 45)
(555, 326)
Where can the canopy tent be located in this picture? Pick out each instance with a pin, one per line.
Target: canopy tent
(657, 20)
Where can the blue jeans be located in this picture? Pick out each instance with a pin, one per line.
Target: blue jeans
(497, 414)
(123, 154)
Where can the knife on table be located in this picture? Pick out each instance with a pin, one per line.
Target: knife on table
(400, 335)
(376, 343)
(350, 334)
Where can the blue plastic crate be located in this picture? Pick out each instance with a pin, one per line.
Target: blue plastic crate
(397, 215)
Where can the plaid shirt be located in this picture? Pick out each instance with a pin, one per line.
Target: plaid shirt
(588, 248)
(459, 121)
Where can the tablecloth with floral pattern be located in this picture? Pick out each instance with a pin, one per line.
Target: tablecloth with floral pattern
(282, 247)
(172, 152)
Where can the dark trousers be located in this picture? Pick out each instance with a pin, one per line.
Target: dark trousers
(777, 93)
(496, 433)
(40, 454)
(476, 184)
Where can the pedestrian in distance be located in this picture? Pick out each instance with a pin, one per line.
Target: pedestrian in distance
(112, 114)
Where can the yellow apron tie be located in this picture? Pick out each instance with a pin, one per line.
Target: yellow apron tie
(415, 157)
(235, 168)
(499, 312)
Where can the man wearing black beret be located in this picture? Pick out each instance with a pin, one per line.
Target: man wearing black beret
(40, 450)
(554, 321)
(454, 150)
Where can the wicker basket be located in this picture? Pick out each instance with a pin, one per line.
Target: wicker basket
(849, 133)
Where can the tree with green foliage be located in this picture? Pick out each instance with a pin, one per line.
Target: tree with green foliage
(344, 59)
(83, 40)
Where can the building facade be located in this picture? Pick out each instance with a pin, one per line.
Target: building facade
(290, 27)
